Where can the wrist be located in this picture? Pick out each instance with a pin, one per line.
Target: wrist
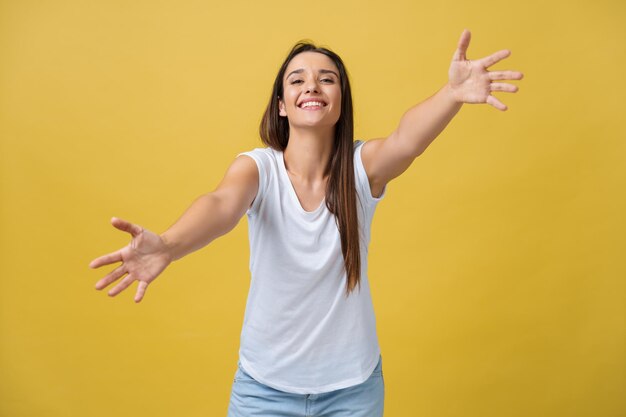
(452, 94)
(169, 247)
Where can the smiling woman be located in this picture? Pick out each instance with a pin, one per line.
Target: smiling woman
(312, 260)
(309, 344)
(308, 137)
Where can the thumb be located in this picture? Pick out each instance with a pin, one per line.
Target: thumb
(461, 50)
(126, 226)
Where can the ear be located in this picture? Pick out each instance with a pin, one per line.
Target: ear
(281, 108)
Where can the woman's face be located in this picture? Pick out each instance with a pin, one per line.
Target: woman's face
(313, 78)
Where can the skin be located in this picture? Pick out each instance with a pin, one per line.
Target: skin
(469, 81)
(311, 132)
(311, 135)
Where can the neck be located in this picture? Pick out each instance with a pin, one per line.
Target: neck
(308, 152)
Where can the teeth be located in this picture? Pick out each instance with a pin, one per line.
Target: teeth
(312, 103)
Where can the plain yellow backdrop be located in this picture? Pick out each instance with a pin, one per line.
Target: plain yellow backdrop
(495, 259)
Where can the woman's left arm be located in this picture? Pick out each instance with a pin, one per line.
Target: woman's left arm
(468, 82)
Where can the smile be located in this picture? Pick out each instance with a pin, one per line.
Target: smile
(312, 105)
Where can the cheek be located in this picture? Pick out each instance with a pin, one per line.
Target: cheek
(288, 99)
(338, 102)
(337, 97)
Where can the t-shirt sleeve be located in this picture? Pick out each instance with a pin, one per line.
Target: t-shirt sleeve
(363, 184)
(258, 155)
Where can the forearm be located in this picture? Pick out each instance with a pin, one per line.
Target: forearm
(204, 221)
(421, 124)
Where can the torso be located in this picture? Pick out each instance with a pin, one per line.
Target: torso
(310, 197)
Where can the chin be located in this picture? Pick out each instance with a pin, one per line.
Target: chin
(314, 125)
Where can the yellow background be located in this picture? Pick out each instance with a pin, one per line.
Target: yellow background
(495, 259)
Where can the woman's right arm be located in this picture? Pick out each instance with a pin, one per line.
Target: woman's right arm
(216, 213)
(210, 216)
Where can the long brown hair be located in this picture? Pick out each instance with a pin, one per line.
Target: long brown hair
(340, 191)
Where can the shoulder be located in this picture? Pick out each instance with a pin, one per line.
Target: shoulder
(258, 151)
(257, 156)
(260, 155)
(243, 169)
(260, 160)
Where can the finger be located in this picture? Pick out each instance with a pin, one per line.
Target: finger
(141, 290)
(509, 88)
(123, 284)
(111, 276)
(461, 49)
(495, 57)
(496, 103)
(126, 226)
(106, 259)
(505, 75)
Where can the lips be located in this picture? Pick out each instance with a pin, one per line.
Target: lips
(308, 100)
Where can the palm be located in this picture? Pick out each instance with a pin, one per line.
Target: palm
(469, 80)
(142, 256)
(143, 259)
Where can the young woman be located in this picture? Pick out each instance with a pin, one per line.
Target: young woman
(308, 345)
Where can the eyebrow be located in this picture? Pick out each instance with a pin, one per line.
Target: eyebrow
(322, 71)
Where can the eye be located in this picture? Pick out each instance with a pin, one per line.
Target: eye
(295, 81)
(330, 80)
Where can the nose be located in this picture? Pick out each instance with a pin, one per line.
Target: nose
(311, 86)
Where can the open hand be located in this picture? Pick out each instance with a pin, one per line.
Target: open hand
(469, 80)
(143, 259)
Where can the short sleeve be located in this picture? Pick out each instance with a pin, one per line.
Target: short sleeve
(361, 177)
(259, 157)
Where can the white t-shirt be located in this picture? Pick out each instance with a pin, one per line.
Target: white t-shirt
(300, 333)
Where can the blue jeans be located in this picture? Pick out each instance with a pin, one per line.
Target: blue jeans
(251, 398)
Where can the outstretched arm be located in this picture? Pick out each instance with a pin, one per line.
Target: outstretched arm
(210, 216)
(469, 81)
(216, 213)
